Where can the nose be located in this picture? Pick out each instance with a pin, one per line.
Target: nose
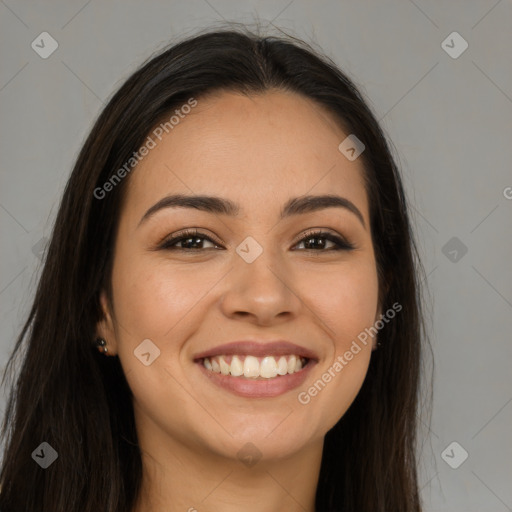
(261, 292)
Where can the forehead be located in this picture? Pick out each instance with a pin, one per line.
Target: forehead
(249, 148)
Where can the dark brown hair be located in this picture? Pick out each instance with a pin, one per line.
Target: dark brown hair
(78, 401)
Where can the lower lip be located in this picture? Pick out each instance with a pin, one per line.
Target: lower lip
(264, 388)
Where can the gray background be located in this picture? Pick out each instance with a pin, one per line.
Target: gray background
(449, 119)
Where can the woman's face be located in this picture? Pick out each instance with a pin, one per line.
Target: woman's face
(250, 276)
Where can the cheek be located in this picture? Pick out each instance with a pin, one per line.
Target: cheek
(159, 301)
(346, 302)
(152, 302)
(345, 299)
(152, 297)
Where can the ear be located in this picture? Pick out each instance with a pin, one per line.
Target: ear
(105, 327)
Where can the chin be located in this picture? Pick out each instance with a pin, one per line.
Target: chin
(271, 436)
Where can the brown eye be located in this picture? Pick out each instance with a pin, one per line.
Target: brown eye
(191, 240)
(311, 242)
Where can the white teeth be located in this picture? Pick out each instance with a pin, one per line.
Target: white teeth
(224, 367)
(282, 366)
(268, 368)
(237, 368)
(291, 364)
(250, 366)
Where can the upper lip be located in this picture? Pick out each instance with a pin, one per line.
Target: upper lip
(258, 349)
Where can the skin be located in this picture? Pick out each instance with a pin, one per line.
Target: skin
(259, 152)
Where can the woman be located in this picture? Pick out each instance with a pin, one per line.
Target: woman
(228, 317)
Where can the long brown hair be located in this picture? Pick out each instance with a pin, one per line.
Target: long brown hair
(68, 395)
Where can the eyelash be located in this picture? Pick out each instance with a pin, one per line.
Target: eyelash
(342, 244)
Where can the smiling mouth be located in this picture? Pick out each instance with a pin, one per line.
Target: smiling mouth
(255, 368)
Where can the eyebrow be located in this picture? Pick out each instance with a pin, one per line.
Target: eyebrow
(222, 206)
